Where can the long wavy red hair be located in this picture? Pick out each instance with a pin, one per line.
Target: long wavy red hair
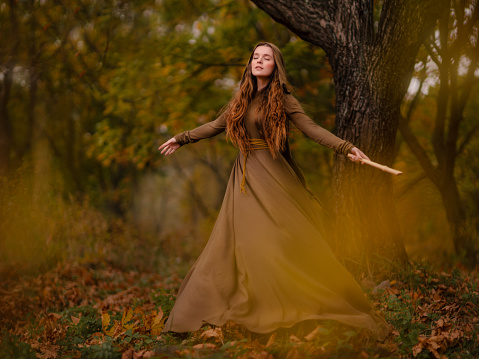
(274, 125)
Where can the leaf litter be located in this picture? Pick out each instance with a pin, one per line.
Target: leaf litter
(97, 310)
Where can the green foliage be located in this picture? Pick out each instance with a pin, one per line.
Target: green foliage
(90, 323)
(400, 314)
(104, 351)
(431, 311)
(13, 348)
(165, 299)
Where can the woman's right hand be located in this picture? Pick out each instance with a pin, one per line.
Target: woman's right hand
(169, 147)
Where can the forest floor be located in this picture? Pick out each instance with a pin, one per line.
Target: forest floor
(96, 310)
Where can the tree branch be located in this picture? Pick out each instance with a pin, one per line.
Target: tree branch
(409, 186)
(420, 153)
(312, 21)
(467, 139)
(429, 45)
(438, 136)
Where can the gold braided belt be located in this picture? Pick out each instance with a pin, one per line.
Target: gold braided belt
(256, 144)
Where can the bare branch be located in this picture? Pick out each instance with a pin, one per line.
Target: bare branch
(467, 139)
(438, 136)
(417, 96)
(429, 45)
(420, 153)
(409, 186)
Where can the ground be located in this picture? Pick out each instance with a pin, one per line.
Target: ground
(97, 310)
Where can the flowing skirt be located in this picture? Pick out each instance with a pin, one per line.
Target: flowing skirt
(266, 264)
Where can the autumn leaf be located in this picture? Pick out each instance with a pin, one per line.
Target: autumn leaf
(105, 321)
(271, 340)
(132, 354)
(212, 333)
(295, 339)
(313, 334)
(126, 318)
(204, 346)
(158, 324)
(417, 349)
(75, 320)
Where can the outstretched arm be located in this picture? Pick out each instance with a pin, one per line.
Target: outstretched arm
(207, 130)
(319, 134)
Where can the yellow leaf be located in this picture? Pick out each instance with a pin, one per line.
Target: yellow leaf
(127, 316)
(158, 324)
(105, 320)
(133, 326)
(113, 329)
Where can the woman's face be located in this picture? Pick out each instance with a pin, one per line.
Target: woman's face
(262, 64)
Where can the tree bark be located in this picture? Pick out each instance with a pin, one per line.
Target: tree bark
(372, 70)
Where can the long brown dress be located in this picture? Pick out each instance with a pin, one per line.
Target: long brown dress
(266, 264)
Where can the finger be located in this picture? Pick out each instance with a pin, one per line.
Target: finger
(364, 156)
(361, 154)
(164, 144)
(166, 150)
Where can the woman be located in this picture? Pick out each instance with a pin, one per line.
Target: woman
(266, 264)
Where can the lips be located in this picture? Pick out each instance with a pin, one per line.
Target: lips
(258, 68)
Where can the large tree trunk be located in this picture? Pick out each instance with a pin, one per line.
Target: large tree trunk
(456, 216)
(372, 70)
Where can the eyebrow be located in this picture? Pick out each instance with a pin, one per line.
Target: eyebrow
(258, 54)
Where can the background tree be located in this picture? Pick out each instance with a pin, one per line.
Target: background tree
(371, 50)
(89, 91)
(452, 56)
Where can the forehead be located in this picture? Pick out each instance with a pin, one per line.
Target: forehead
(263, 50)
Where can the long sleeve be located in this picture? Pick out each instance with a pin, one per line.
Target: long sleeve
(207, 130)
(311, 129)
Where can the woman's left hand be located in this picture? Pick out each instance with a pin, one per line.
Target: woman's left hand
(357, 155)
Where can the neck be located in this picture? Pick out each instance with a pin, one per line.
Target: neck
(262, 82)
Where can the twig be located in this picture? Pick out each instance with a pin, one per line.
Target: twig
(379, 166)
